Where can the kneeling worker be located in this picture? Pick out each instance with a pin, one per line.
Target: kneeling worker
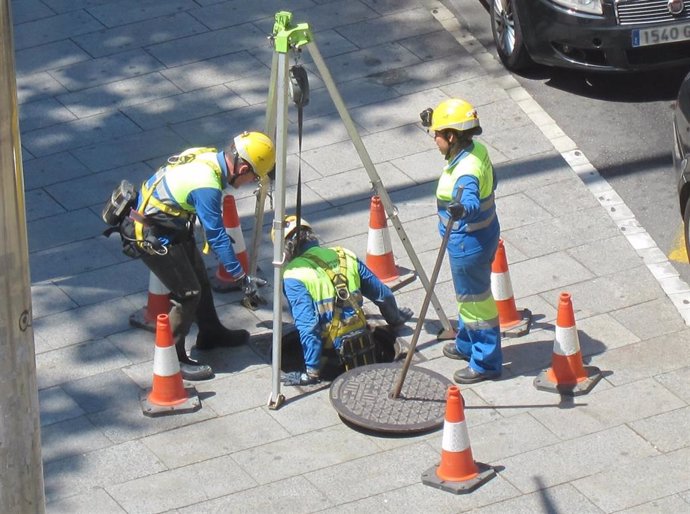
(324, 288)
(161, 232)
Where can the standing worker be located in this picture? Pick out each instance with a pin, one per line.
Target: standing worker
(325, 289)
(161, 232)
(473, 239)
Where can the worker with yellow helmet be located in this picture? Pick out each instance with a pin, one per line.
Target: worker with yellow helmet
(325, 288)
(160, 230)
(474, 236)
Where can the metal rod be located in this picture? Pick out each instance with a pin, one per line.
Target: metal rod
(395, 393)
(375, 179)
(21, 479)
(279, 214)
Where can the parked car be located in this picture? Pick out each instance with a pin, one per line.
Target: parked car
(681, 153)
(601, 35)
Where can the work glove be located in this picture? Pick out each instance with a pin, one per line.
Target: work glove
(250, 286)
(456, 210)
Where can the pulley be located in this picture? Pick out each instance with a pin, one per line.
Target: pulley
(299, 85)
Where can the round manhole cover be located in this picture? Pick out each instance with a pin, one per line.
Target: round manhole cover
(362, 396)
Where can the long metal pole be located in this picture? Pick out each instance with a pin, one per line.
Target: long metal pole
(375, 179)
(279, 213)
(21, 470)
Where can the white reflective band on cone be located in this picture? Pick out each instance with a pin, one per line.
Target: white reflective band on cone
(379, 242)
(566, 341)
(156, 286)
(165, 363)
(501, 288)
(455, 436)
(236, 235)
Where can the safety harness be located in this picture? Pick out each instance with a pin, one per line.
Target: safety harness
(357, 347)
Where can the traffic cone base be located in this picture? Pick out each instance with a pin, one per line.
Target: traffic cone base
(544, 382)
(168, 394)
(457, 472)
(483, 475)
(518, 327)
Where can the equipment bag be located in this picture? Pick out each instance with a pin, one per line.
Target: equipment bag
(123, 198)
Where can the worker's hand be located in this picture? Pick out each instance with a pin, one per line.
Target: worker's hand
(456, 210)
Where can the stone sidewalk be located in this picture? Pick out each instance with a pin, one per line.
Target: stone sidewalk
(109, 89)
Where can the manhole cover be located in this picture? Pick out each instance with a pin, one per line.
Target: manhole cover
(362, 397)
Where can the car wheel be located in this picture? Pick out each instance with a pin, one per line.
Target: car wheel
(507, 33)
(686, 228)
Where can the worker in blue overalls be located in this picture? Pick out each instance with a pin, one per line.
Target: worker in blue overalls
(474, 237)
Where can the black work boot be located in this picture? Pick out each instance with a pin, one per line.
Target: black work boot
(220, 338)
(194, 370)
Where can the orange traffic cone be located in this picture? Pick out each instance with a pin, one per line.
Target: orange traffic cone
(512, 322)
(567, 375)
(168, 394)
(158, 303)
(379, 248)
(224, 281)
(458, 472)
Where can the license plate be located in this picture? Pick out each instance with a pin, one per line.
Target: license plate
(660, 35)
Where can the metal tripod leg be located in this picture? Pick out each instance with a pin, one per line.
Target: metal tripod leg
(375, 179)
(281, 95)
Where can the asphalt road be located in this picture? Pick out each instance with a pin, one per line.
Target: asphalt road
(622, 122)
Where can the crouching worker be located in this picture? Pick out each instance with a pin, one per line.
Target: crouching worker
(161, 231)
(325, 288)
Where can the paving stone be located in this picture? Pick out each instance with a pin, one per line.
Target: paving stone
(56, 405)
(36, 86)
(216, 437)
(130, 11)
(28, 10)
(70, 259)
(650, 478)
(76, 134)
(177, 488)
(57, 366)
(74, 225)
(99, 468)
(385, 471)
(140, 89)
(596, 256)
(404, 24)
(106, 70)
(527, 173)
(49, 56)
(47, 298)
(629, 364)
(53, 28)
(327, 16)
(672, 503)
(666, 431)
(562, 498)
(75, 436)
(95, 500)
(224, 69)
(43, 113)
(677, 381)
(606, 408)
(135, 35)
(40, 205)
(207, 45)
(236, 12)
(544, 273)
(183, 107)
(519, 142)
(649, 319)
(291, 495)
(333, 445)
(517, 210)
(49, 170)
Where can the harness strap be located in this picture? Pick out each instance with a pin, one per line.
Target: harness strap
(342, 293)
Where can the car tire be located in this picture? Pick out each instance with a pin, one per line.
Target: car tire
(686, 228)
(507, 32)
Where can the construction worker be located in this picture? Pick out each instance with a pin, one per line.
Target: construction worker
(161, 231)
(473, 239)
(324, 288)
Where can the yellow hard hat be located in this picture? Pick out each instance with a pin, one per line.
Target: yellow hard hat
(454, 114)
(258, 150)
(289, 227)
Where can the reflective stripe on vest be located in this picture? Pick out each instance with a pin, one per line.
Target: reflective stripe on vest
(478, 311)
